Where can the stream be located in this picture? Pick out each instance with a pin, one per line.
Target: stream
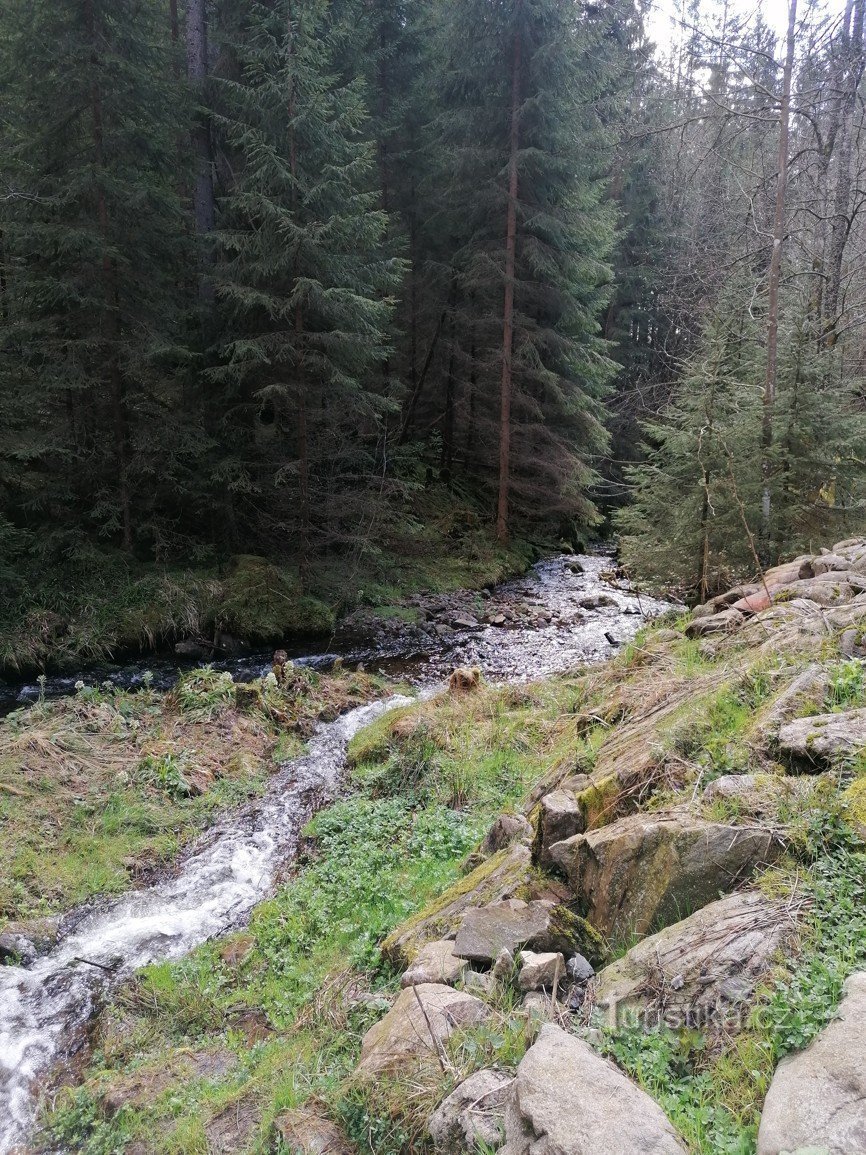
(560, 615)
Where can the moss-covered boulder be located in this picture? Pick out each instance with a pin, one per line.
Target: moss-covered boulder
(644, 872)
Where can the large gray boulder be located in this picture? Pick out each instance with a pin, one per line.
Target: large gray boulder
(805, 692)
(560, 816)
(646, 871)
(817, 1099)
(824, 739)
(412, 1033)
(474, 1111)
(567, 1100)
(698, 971)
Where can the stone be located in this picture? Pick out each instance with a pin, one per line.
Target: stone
(567, 1100)
(579, 969)
(16, 950)
(308, 1132)
(435, 963)
(537, 1005)
(805, 692)
(503, 968)
(231, 1130)
(560, 816)
(723, 622)
(828, 589)
(412, 1033)
(478, 982)
(797, 570)
(496, 878)
(539, 972)
(699, 971)
(506, 829)
(754, 603)
(464, 621)
(640, 873)
(540, 925)
(829, 563)
(824, 739)
(817, 1098)
(597, 602)
(474, 1112)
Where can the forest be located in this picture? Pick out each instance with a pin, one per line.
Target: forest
(332, 288)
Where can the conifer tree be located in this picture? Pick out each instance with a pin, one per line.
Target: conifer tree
(303, 281)
(93, 246)
(523, 142)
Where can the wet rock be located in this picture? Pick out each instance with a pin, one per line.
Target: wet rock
(509, 925)
(597, 602)
(540, 972)
(567, 1100)
(506, 829)
(465, 622)
(825, 739)
(413, 1031)
(24, 941)
(16, 950)
(692, 972)
(817, 1099)
(474, 1112)
(190, 648)
(722, 622)
(560, 816)
(639, 873)
(435, 963)
(309, 1132)
(496, 878)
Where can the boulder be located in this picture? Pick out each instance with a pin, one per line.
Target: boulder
(790, 571)
(474, 1112)
(413, 1031)
(579, 969)
(828, 589)
(567, 1100)
(506, 829)
(754, 603)
(817, 1099)
(829, 563)
(643, 872)
(824, 739)
(436, 962)
(509, 925)
(697, 971)
(560, 816)
(723, 622)
(806, 691)
(496, 878)
(308, 1132)
(540, 971)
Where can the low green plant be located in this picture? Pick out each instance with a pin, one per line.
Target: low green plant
(164, 772)
(847, 689)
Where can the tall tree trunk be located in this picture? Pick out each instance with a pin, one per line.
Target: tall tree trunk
(769, 403)
(508, 309)
(110, 289)
(204, 206)
(852, 73)
(174, 26)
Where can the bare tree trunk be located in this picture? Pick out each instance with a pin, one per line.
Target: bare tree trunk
(204, 206)
(174, 25)
(774, 279)
(508, 310)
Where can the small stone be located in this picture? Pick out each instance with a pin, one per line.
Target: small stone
(435, 963)
(477, 983)
(578, 969)
(540, 971)
(504, 965)
(473, 1112)
(677, 983)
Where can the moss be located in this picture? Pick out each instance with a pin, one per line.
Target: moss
(571, 928)
(854, 799)
(261, 601)
(600, 802)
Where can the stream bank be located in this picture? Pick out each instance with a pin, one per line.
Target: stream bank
(43, 1007)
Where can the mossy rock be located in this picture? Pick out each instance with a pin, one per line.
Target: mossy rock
(855, 805)
(263, 602)
(497, 878)
(601, 802)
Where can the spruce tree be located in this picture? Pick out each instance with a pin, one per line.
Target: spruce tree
(523, 144)
(303, 282)
(93, 248)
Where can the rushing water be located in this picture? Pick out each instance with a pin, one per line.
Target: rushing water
(44, 1007)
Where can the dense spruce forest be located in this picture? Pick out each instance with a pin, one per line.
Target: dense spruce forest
(301, 301)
